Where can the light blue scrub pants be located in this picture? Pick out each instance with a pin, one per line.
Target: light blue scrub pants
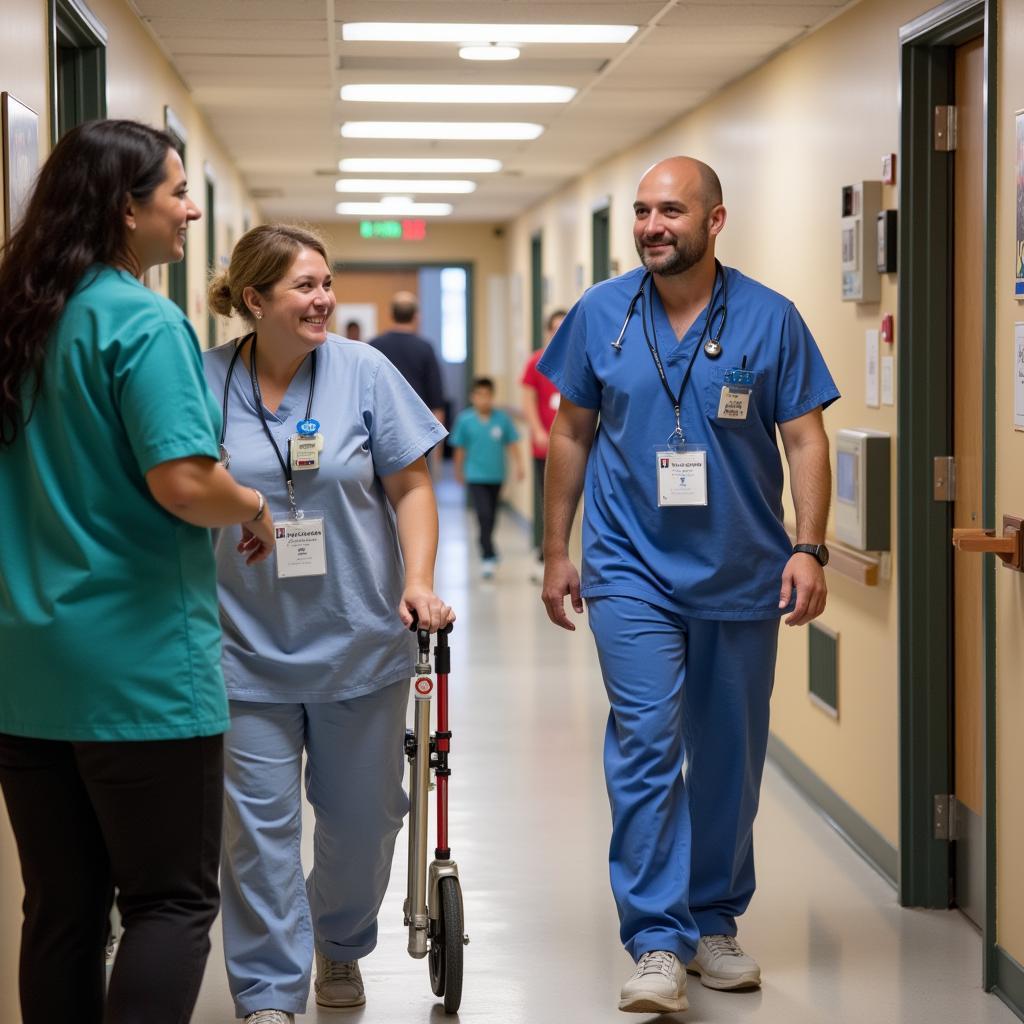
(682, 689)
(272, 917)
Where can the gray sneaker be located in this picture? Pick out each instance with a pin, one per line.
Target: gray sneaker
(338, 983)
(657, 986)
(722, 964)
(270, 1017)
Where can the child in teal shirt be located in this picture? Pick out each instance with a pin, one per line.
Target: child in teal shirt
(480, 436)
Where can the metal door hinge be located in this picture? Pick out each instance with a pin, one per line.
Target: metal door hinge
(945, 817)
(945, 129)
(944, 478)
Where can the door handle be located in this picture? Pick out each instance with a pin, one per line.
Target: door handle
(1009, 545)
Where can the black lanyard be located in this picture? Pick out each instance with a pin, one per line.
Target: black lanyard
(257, 396)
(676, 400)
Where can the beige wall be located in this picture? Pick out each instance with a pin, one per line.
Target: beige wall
(140, 82)
(1009, 499)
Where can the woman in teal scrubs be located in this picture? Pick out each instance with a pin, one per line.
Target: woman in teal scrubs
(112, 703)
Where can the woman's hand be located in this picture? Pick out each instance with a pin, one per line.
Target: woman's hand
(257, 541)
(433, 613)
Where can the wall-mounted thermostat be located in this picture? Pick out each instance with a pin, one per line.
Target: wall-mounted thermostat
(861, 203)
(863, 489)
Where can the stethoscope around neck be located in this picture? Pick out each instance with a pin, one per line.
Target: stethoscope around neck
(713, 344)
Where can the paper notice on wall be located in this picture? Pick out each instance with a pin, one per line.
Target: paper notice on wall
(888, 380)
(1018, 377)
(871, 369)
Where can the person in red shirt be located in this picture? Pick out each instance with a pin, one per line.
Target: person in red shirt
(540, 403)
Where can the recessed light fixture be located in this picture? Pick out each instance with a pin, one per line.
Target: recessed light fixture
(472, 130)
(457, 93)
(418, 165)
(394, 206)
(492, 52)
(428, 186)
(432, 32)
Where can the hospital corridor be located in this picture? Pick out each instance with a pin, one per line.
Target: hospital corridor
(548, 470)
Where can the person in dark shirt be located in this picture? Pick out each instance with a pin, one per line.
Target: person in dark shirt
(411, 354)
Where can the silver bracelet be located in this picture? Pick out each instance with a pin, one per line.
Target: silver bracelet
(259, 512)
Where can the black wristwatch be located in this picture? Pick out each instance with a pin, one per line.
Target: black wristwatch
(818, 551)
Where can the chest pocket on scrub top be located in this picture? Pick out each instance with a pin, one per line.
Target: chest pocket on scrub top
(713, 403)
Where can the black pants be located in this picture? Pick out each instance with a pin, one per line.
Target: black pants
(142, 816)
(485, 504)
(538, 504)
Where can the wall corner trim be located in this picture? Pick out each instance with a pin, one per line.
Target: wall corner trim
(858, 832)
(1009, 984)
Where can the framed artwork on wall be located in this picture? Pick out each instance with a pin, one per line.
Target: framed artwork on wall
(21, 158)
(1018, 286)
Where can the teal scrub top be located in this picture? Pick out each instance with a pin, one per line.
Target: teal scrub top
(108, 604)
(484, 441)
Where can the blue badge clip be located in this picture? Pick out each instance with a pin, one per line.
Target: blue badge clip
(740, 378)
(308, 428)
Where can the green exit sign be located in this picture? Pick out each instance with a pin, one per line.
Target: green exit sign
(406, 230)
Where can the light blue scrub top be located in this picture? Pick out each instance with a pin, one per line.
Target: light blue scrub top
(321, 638)
(484, 441)
(719, 561)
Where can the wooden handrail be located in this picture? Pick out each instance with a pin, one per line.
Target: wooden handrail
(855, 565)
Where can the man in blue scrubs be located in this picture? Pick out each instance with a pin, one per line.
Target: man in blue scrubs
(674, 377)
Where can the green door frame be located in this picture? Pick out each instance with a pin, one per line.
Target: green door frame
(78, 66)
(600, 244)
(210, 214)
(925, 391)
(360, 266)
(177, 273)
(537, 290)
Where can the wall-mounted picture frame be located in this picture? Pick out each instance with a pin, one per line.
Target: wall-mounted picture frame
(1018, 286)
(20, 127)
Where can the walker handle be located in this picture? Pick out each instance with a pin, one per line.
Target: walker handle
(414, 628)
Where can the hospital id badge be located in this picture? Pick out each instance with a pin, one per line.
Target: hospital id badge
(304, 451)
(734, 403)
(682, 478)
(300, 546)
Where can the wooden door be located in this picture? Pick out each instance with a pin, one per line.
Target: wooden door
(968, 408)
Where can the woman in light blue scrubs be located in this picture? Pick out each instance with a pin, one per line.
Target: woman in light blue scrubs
(317, 651)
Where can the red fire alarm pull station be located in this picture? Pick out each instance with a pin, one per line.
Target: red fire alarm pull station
(888, 333)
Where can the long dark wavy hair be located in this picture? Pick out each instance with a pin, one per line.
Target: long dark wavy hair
(75, 218)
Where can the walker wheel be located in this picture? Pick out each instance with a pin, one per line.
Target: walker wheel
(445, 956)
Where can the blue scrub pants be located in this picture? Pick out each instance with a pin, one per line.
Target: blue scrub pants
(272, 917)
(694, 691)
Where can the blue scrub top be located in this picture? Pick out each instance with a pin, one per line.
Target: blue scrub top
(321, 638)
(719, 561)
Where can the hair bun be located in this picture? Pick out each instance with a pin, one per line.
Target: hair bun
(218, 295)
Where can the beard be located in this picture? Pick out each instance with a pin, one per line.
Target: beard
(687, 252)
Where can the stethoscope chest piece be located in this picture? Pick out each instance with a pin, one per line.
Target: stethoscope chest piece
(712, 349)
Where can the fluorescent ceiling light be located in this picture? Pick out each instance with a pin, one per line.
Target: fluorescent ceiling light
(492, 52)
(394, 206)
(457, 93)
(473, 130)
(416, 165)
(432, 186)
(426, 32)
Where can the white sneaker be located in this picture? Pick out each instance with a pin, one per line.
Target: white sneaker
(270, 1017)
(338, 983)
(487, 567)
(658, 986)
(722, 964)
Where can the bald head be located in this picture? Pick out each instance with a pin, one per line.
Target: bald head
(404, 307)
(683, 173)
